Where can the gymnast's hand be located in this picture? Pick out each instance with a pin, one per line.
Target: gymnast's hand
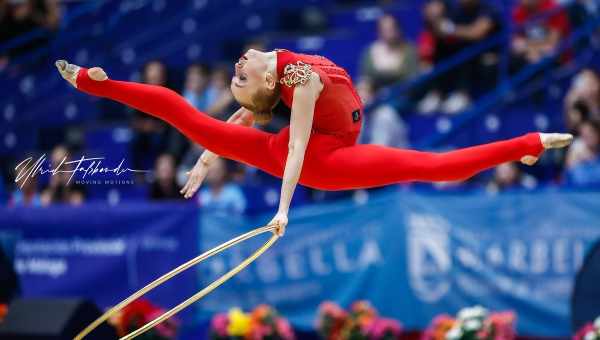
(195, 178)
(197, 175)
(280, 221)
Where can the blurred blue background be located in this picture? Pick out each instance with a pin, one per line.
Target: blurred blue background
(433, 75)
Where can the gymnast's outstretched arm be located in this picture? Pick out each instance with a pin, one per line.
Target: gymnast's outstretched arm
(198, 173)
(303, 107)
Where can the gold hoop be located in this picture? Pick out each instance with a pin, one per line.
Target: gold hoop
(181, 268)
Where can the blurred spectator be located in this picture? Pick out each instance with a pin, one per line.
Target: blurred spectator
(583, 157)
(46, 13)
(196, 84)
(306, 19)
(219, 98)
(221, 195)
(582, 11)
(4, 33)
(210, 96)
(586, 146)
(18, 17)
(4, 12)
(383, 124)
(28, 195)
(164, 186)
(149, 133)
(433, 12)
(208, 93)
(195, 91)
(391, 58)
(450, 30)
(60, 189)
(541, 24)
(509, 176)
(583, 99)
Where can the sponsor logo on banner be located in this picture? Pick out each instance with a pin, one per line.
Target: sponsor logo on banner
(429, 261)
(444, 258)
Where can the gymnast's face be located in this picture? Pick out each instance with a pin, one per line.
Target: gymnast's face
(252, 77)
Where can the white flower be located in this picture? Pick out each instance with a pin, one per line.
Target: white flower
(472, 325)
(476, 312)
(597, 323)
(454, 333)
(590, 336)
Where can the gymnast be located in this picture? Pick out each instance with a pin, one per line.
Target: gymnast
(318, 149)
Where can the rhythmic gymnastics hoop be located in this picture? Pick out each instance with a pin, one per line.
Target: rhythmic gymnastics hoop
(166, 277)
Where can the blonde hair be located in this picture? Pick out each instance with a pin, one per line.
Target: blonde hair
(262, 104)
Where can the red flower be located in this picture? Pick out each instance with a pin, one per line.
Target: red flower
(361, 323)
(502, 324)
(3, 311)
(140, 312)
(439, 327)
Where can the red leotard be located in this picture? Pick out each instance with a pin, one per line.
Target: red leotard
(333, 161)
(337, 101)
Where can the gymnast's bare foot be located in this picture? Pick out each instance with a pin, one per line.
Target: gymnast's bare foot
(550, 141)
(70, 71)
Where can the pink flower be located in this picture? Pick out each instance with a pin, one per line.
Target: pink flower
(219, 324)
(382, 327)
(587, 328)
(483, 333)
(503, 325)
(284, 329)
(166, 329)
(332, 309)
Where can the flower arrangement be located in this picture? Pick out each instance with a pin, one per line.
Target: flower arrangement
(140, 312)
(360, 323)
(474, 323)
(591, 331)
(262, 323)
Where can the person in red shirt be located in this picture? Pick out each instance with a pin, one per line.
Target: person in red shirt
(541, 25)
(318, 149)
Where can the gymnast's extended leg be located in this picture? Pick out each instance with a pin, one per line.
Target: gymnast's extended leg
(363, 166)
(240, 143)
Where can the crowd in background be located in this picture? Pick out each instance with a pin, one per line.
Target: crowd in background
(448, 30)
(20, 17)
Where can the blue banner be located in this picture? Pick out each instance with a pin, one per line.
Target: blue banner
(417, 256)
(413, 256)
(101, 252)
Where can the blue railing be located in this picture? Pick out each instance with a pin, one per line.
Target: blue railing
(508, 86)
(387, 95)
